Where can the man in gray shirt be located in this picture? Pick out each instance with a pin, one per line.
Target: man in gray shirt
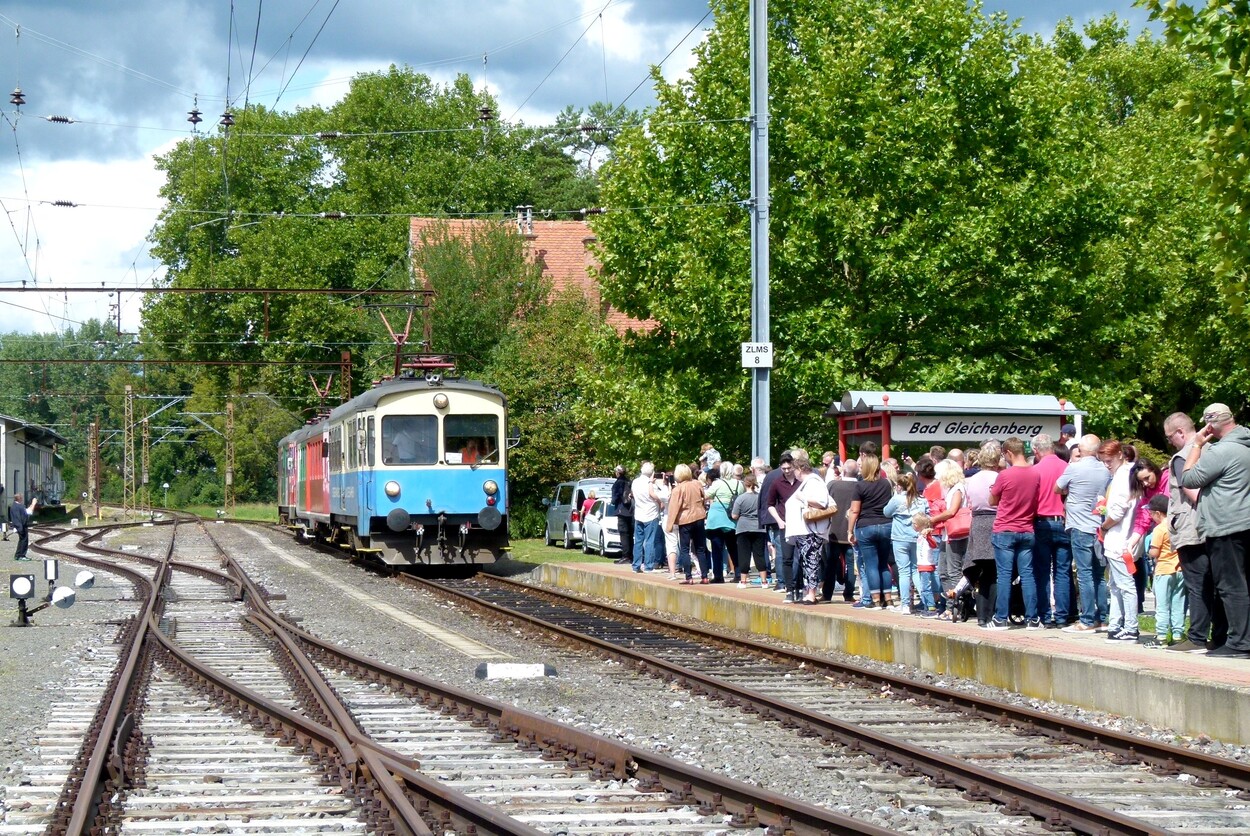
(1218, 465)
(1081, 484)
(1207, 621)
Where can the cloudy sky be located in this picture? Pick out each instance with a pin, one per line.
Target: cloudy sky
(127, 72)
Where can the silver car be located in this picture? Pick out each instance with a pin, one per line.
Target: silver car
(599, 531)
(564, 509)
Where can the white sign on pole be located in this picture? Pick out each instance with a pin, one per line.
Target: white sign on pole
(757, 355)
(970, 428)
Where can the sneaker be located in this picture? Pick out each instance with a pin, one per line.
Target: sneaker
(638, 570)
(1226, 652)
(1080, 628)
(672, 577)
(995, 624)
(901, 609)
(862, 605)
(1157, 643)
(20, 559)
(743, 585)
(930, 614)
(1052, 625)
(1186, 646)
(1114, 634)
(1127, 636)
(1034, 624)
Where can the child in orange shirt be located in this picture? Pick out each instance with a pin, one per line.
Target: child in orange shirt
(1169, 582)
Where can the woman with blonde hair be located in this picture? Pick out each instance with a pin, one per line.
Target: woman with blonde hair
(869, 528)
(951, 562)
(687, 514)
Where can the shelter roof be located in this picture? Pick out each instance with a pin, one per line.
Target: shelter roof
(964, 403)
(33, 431)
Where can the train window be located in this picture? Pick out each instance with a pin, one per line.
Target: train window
(409, 439)
(369, 439)
(471, 439)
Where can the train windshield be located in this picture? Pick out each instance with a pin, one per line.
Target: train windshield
(471, 439)
(409, 439)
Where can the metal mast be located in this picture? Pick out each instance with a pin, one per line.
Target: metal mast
(760, 406)
(129, 506)
(229, 493)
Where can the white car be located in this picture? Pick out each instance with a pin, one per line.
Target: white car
(564, 509)
(599, 531)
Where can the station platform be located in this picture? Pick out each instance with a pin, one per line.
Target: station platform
(1189, 693)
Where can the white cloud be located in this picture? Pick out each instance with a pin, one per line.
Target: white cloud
(100, 242)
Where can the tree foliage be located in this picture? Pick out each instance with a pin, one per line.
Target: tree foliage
(1218, 35)
(955, 207)
(481, 280)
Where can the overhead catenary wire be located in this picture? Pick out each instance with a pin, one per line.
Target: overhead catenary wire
(248, 91)
(260, 5)
(557, 64)
(300, 63)
(665, 58)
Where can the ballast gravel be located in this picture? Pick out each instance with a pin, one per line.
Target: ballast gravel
(597, 696)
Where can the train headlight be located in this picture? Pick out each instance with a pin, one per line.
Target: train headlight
(440, 401)
(392, 489)
(490, 487)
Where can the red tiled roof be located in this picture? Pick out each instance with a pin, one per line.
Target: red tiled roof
(563, 249)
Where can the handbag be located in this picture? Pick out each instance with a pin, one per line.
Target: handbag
(959, 526)
(820, 514)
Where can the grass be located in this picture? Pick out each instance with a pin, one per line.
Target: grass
(257, 511)
(535, 552)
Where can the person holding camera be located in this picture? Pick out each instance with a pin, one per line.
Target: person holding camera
(1218, 465)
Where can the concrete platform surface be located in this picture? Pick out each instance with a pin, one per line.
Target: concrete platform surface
(1192, 694)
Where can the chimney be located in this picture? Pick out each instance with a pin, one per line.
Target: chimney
(529, 220)
(520, 220)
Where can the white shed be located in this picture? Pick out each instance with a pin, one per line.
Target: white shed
(30, 461)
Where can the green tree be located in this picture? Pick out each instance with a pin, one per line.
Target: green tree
(955, 207)
(541, 365)
(482, 281)
(1218, 36)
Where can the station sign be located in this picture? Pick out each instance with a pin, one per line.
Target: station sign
(757, 355)
(971, 428)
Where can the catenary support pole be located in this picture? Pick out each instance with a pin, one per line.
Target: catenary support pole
(760, 406)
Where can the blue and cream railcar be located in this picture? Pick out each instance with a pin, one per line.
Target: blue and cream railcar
(412, 471)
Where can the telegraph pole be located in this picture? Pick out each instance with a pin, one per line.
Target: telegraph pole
(760, 358)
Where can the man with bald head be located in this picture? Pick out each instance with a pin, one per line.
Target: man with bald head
(1208, 626)
(1218, 466)
(1081, 483)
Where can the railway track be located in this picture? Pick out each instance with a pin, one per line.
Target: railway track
(221, 716)
(1063, 773)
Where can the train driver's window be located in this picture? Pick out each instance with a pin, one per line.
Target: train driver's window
(471, 439)
(409, 439)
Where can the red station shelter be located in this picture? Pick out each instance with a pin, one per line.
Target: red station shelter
(948, 418)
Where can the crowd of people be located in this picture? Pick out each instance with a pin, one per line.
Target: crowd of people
(1037, 533)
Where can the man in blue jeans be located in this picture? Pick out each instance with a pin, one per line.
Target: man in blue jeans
(1052, 547)
(646, 519)
(1014, 493)
(1081, 483)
